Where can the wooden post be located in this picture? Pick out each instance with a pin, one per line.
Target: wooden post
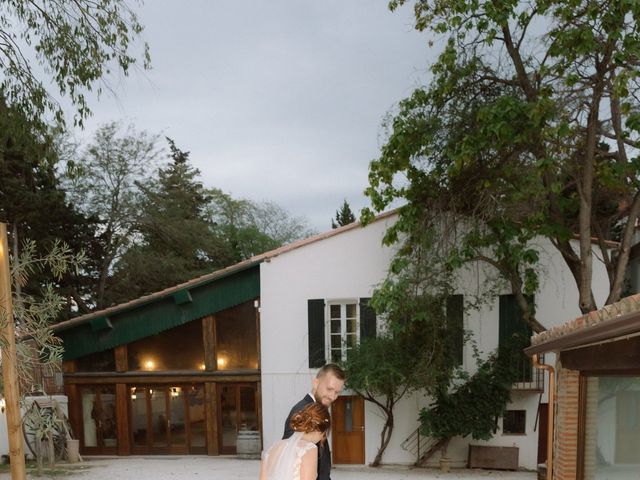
(9, 367)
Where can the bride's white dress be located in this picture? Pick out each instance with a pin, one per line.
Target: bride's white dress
(282, 461)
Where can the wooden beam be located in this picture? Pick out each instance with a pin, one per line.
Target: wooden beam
(211, 413)
(122, 360)
(9, 364)
(79, 379)
(209, 342)
(122, 419)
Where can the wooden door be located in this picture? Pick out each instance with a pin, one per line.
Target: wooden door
(543, 430)
(347, 430)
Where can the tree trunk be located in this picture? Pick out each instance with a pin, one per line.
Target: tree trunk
(385, 435)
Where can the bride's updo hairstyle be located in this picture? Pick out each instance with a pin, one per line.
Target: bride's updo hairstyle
(314, 417)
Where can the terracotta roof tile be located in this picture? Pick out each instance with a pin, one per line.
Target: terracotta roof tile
(625, 306)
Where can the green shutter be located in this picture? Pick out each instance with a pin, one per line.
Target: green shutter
(316, 332)
(367, 319)
(513, 328)
(455, 321)
(512, 324)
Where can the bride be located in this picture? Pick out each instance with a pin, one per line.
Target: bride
(296, 458)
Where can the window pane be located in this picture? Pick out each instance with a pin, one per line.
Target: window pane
(335, 326)
(514, 422)
(336, 341)
(104, 361)
(335, 311)
(237, 338)
(351, 310)
(195, 402)
(351, 341)
(179, 348)
(612, 430)
(336, 355)
(351, 325)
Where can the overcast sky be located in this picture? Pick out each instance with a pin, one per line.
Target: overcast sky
(276, 100)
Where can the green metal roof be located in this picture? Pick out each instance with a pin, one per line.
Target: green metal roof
(135, 320)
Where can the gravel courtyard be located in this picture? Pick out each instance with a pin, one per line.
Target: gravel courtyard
(231, 468)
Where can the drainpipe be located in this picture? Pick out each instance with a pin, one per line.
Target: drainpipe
(552, 394)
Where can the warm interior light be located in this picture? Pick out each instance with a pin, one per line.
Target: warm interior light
(175, 391)
(133, 393)
(149, 364)
(222, 361)
(202, 366)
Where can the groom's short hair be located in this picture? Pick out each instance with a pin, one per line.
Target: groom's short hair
(333, 369)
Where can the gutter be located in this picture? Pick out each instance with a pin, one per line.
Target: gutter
(620, 326)
(551, 412)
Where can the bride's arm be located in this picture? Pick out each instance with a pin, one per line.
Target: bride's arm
(262, 473)
(263, 467)
(309, 465)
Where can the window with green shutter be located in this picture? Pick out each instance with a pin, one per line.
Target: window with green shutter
(514, 330)
(336, 327)
(316, 332)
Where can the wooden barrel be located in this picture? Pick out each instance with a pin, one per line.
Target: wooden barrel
(248, 443)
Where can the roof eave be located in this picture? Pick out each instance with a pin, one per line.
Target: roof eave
(619, 327)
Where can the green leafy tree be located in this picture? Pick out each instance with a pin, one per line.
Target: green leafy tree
(416, 351)
(76, 43)
(529, 127)
(38, 349)
(250, 228)
(34, 204)
(344, 216)
(175, 239)
(471, 405)
(102, 182)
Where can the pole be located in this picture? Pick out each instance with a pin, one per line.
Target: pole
(9, 367)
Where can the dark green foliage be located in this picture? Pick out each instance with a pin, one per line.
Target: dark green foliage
(381, 371)
(473, 404)
(249, 228)
(176, 241)
(35, 207)
(344, 216)
(417, 353)
(527, 129)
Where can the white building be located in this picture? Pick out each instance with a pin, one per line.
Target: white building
(331, 275)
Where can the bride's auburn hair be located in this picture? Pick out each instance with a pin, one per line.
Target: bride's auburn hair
(314, 417)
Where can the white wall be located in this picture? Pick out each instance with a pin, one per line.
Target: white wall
(350, 265)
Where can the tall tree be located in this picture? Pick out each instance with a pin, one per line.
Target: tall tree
(530, 127)
(76, 43)
(175, 237)
(102, 181)
(34, 204)
(344, 216)
(250, 228)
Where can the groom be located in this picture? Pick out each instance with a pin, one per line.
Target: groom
(325, 388)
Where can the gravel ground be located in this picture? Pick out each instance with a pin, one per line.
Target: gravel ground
(232, 468)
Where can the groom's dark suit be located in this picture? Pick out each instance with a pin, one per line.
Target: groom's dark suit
(324, 453)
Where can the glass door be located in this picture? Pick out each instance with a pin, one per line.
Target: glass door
(159, 419)
(99, 435)
(237, 411)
